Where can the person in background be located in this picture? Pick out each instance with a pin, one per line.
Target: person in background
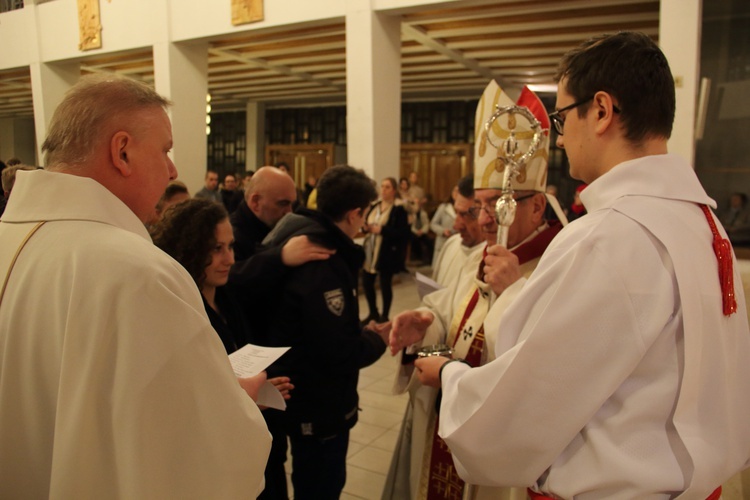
(13, 161)
(421, 243)
(231, 196)
(8, 179)
(3, 201)
(442, 223)
(309, 187)
(210, 190)
(415, 197)
(175, 192)
(114, 384)
(387, 231)
(736, 219)
(403, 189)
(468, 240)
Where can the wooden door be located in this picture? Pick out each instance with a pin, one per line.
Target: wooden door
(438, 167)
(304, 160)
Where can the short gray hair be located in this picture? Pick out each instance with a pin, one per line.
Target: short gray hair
(85, 111)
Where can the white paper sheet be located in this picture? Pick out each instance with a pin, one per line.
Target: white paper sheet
(426, 285)
(250, 360)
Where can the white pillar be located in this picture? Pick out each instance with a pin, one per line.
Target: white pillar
(373, 90)
(680, 40)
(255, 135)
(49, 82)
(181, 74)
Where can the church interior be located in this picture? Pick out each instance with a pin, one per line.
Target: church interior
(388, 86)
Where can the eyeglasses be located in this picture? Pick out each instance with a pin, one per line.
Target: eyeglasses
(559, 121)
(489, 208)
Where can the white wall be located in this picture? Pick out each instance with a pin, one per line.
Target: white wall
(679, 38)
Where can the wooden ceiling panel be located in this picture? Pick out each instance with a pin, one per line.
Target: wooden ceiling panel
(445, 53)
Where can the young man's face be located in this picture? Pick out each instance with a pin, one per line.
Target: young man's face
(576, 139)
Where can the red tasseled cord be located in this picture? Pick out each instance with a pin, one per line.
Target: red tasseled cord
(723, 251)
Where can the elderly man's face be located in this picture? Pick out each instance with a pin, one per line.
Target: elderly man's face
(148, 158)
(275, 202)
(524, 223)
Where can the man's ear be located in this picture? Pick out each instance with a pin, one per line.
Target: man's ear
(352, 215)
(253, 201)
(604, 109)
(539, 207)
(119, 146)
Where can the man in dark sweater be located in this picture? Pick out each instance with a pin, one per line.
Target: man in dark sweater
(317, 314)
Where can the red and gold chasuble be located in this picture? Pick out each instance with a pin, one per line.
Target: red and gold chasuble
(466, 337)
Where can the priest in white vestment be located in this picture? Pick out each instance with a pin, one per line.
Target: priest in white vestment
(622, 366)
(112, 382)
(422, 467)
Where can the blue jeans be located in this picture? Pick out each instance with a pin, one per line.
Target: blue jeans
(319, 466)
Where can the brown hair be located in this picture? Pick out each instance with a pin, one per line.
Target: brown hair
(633, 70)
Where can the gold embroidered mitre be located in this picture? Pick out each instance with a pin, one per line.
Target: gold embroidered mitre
(488, 169)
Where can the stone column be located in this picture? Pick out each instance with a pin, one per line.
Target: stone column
(181, 74)
(373, 90)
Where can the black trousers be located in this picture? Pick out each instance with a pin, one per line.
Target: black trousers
(386, 290)
(319, 466)
(275, 473)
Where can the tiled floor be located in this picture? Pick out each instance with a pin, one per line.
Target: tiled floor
(374, 437)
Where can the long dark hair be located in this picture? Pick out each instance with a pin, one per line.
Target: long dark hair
(187, 232)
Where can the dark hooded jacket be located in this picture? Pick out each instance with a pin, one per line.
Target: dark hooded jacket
(317, 314)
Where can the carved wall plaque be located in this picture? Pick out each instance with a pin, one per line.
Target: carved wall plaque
(246, 11)
(89, 25)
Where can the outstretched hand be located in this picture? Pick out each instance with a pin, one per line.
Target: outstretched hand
(382, 329)
(408, 328)
(300, 250)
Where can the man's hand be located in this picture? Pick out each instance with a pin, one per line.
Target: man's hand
(283, 385)
(428, 369)
(382, 329)
(409, 327)
(300, 250)
(501, 268)
(251, 385)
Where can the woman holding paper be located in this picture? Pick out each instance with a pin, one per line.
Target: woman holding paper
(198, 235)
